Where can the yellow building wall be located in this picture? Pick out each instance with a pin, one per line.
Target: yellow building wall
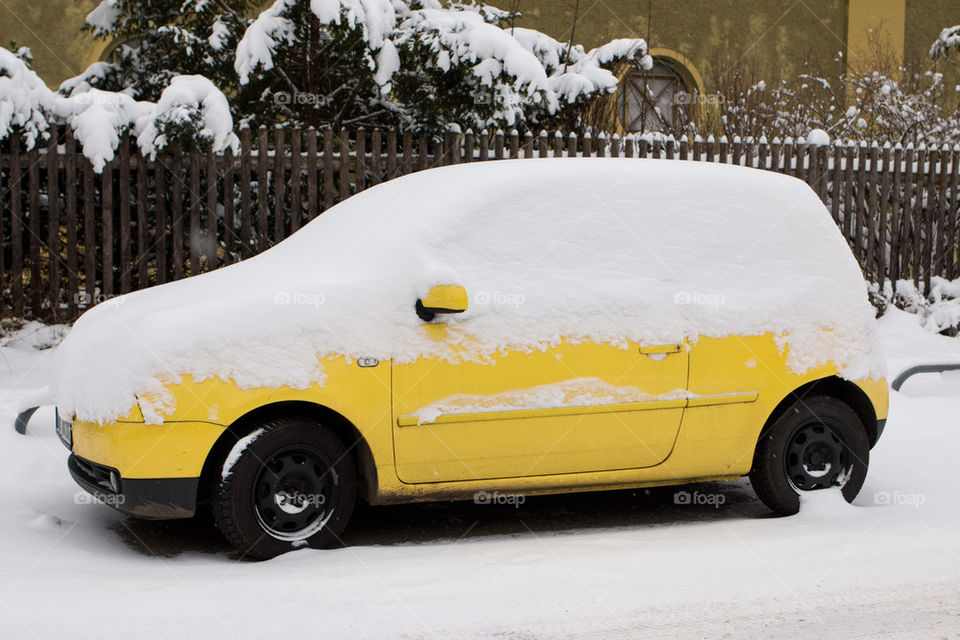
(53, 31)
(880, 19)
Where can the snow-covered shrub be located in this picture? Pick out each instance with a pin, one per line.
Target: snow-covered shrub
(947, 41)
(22, 97)
(417, 63)
(318, 62)
(938, 311)
(191, 110)
(170, 38)
(876, 101)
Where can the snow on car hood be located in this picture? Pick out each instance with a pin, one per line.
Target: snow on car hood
(612, 250)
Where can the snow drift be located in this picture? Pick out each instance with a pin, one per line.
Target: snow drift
(611, 250)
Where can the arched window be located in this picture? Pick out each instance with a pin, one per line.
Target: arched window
(654, 100)
(115, 50)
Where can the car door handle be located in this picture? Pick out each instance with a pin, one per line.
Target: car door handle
(661, 348)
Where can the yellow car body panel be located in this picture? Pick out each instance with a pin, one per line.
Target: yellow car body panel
(580, 437)
(731, 384)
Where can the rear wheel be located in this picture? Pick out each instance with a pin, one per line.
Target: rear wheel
(819, 442)
(287, 485)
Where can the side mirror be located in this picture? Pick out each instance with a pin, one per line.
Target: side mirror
(443, 299)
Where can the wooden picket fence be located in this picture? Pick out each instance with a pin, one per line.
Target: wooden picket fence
(70, 238)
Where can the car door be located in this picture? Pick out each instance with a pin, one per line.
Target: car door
(571, 408)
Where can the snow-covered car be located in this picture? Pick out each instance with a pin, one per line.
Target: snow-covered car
(498, 328)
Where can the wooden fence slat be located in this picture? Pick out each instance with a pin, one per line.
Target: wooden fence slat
(468, 144)
(53, 225)
(860, 203)
(279, 182)
(881, 218)
(327, 172)
(263, 190)
(162, 169)
(106, 227)
(498, 145)
(246, 204)
(376, 149)
(343, 185)
(871, 221)
(848, 212)
(895, 205)
(124, 210)
(296, 176)
(176, 212)
(836, 179)
(209, 223)
(33, 211)
(938, 246)
(953, 206)
(424, 151)
(16, 225)
(392, 153)
(196, 197)
(408, 152)
(360, 161)
(930, 213)
(229, 237)
(142, 259)
(71, 223)
(907, 213)
(916, 220)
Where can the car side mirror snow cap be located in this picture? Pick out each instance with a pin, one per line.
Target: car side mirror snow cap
(442, 300)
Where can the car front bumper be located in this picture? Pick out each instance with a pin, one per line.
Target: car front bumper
(150, 498)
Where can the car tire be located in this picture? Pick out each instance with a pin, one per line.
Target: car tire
(819, 442)
(287, 485)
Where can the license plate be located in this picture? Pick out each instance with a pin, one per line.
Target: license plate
(65, 431)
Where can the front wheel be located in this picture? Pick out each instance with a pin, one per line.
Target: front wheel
(289, 484)
(819, 442)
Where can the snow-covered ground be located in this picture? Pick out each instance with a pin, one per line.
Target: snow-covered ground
(620, 564)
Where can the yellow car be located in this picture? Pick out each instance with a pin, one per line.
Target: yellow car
(486, 331)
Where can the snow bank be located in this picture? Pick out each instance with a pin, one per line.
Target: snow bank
(98, 118)
(602, 249)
